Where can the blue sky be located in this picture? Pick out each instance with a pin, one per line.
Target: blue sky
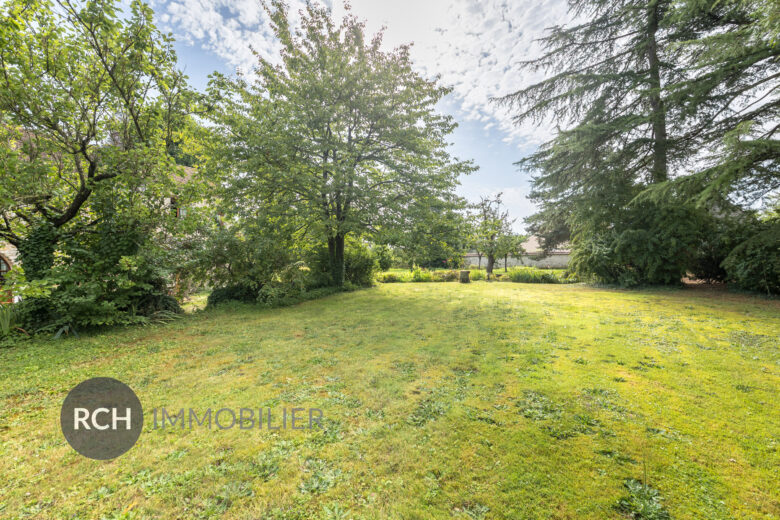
(474, 46)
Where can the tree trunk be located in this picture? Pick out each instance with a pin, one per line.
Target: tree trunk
(506, 257)
(479, 265)
(657, 108)
(336, 257)
(491, 260)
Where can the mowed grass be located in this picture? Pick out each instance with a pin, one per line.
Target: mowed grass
(487, 400)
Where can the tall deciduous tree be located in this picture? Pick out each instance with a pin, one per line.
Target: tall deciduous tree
(89, 98)
(341, 136)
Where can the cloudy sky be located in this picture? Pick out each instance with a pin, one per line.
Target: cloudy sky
(475, 46)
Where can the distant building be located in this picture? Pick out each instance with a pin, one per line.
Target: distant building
(534, 256)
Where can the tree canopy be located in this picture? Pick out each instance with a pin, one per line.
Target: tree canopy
(340, 136)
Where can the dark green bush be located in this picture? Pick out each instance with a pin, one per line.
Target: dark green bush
(384, 257)
(645, 244)
(107, 277)
(360, 266)
(754, 264)
(237, 293)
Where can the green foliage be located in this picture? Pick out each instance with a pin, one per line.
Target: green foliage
(233, 293)
(360, 265)
(89, 98)
(339, 139)
(101, 278)
(389, 278)
(7, 319)
(445, 276)
(647, 244)
(492, 231)
(642, 502)
(421, 275)
(536, 275)
(36, 251)
(384, 257)
(754, 264)
(661, 101)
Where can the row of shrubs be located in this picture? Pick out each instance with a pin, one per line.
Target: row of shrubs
(303, 280)
(515, 274)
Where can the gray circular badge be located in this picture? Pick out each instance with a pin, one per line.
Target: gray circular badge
(101, 418)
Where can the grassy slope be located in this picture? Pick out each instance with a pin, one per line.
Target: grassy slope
(486, 400)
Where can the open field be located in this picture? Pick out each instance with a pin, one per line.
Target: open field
(440, 400)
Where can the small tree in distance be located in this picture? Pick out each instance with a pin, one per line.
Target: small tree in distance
(510, 244)
(492, 228)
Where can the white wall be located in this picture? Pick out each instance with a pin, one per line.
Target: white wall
(554, 261)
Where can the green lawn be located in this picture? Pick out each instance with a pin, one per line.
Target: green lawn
(441, 400)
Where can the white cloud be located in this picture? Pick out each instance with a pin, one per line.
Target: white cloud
(475, 46)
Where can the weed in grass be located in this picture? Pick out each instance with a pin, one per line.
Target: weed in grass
(667, 434)
(537, 407)
(744, 388)
(374, 414)
(265, 466)
(328, 433)
(428, 409)
(334, 511)
(321, 478)
(580, 361)
(344, 400)
(642, 502)
(618, 457)
(406, 369)
(473, 511)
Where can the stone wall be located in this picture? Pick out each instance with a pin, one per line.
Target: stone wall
(8, 252)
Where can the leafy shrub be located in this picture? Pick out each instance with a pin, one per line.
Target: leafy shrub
(389, 278)
(360, 264)
(110, 276)
(445, 276)
(754, 264)
(384, 257)
(642, 502)
(238, 293)
(533, 275)
(477, 275)
(645, 244)
(421, 275)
